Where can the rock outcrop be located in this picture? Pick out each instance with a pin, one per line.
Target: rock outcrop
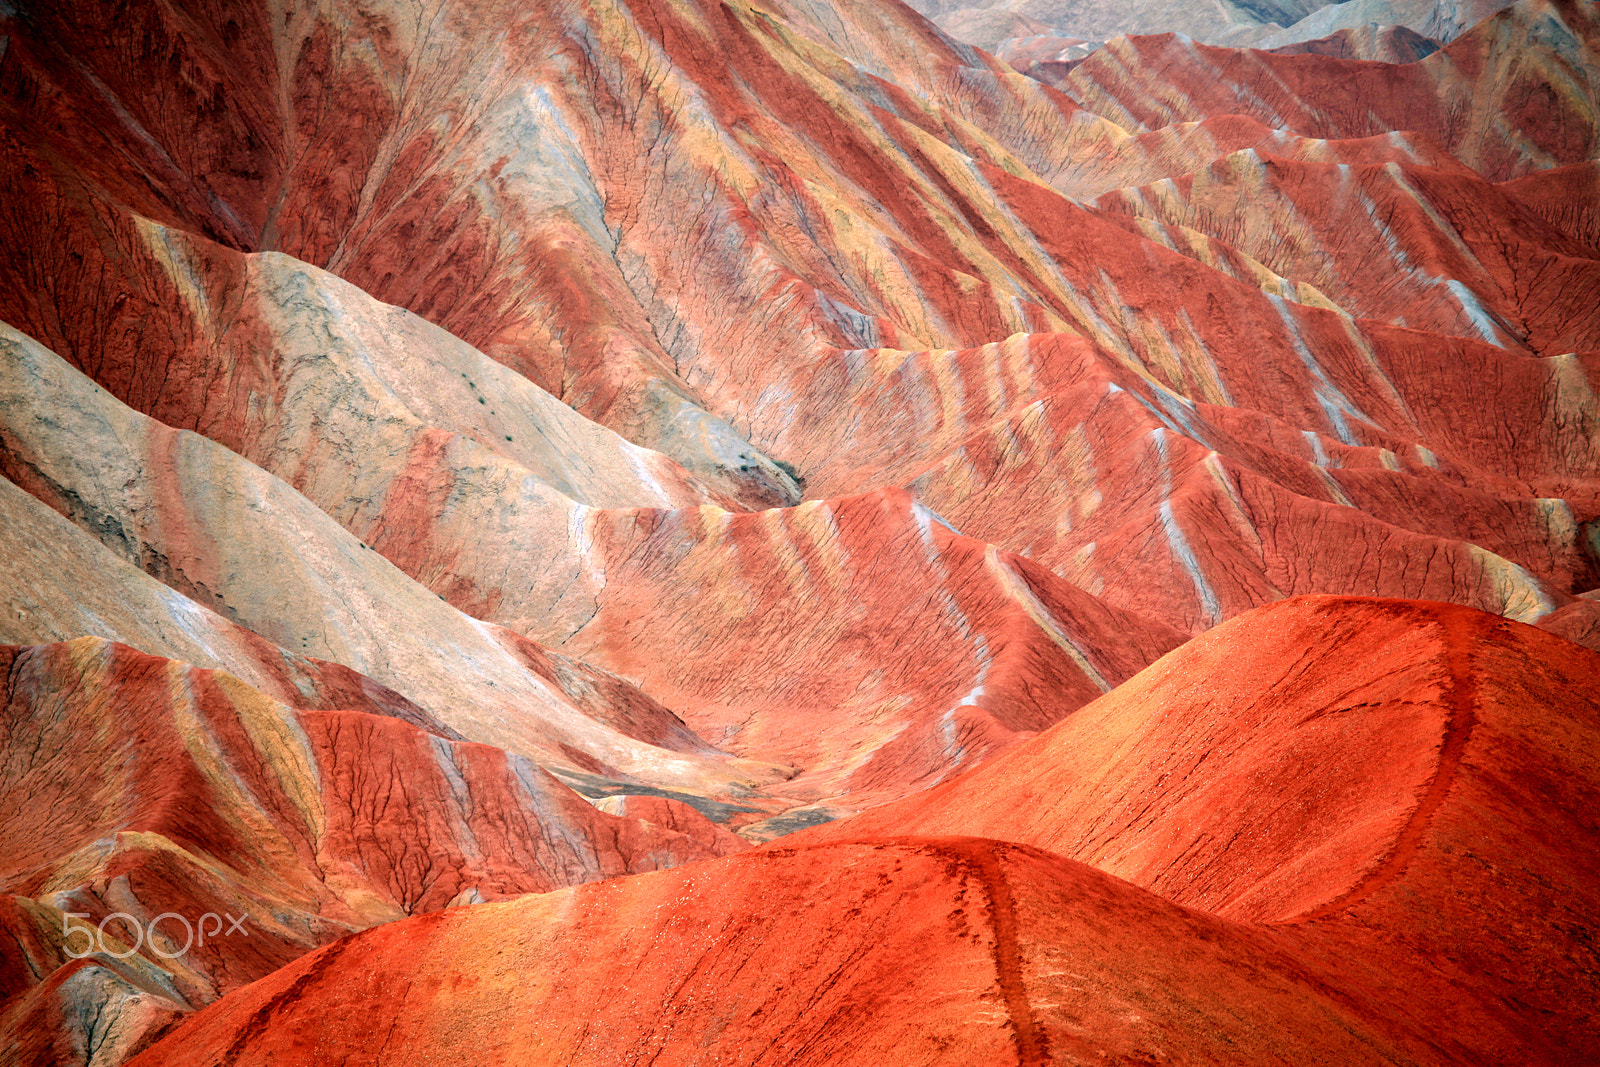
(1310, 808)
(1388, 31)
(453, 453)
(180, 835)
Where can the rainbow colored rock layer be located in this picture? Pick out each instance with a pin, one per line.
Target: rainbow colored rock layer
(458, 450)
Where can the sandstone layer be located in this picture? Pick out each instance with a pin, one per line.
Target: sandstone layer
(1254, 866)
(453, 453)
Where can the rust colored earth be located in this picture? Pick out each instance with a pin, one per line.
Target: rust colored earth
(693, 531)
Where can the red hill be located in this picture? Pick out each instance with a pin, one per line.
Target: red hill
(453, 453)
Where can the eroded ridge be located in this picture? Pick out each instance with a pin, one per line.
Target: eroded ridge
(1461, 631)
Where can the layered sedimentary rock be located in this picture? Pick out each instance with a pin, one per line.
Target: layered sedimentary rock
(1048, 268)
(1218, 21)
(1383, 44)
(201, 518)
(1473, 259)
(1341, 770)
(61, 583)
(1050, 56)
(744, 415)
(1385, 30)
(1311, 808)
(1439, 20)
(201, 835)
(1501, 98)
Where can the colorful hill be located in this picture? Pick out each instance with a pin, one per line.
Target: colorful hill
(1141, 530)
(1310, 808)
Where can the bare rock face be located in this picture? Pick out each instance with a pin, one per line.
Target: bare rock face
(1381, 44)
(455, 453)
(942, 951)
(171, 834)
(1471, 251)
(1306, 806)
(1217, 21)
(1389, 31)
(162, 498)
(1460, 720)
(1518, 59)
(1438, 20)
(988, 27)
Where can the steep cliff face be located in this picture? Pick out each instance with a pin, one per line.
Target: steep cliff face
(460, 450)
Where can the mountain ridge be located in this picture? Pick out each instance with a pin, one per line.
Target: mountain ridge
(489, 451)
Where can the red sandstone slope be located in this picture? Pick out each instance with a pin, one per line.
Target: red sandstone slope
(1051, 265)
(520, 259)
(1463, 257)
(1517, 65)
(1362, 796)
(137, 786)
(909, 951)
(435, 370)
(1175, 503)
(1416, 779)
(1566, 197)
(808, 591)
